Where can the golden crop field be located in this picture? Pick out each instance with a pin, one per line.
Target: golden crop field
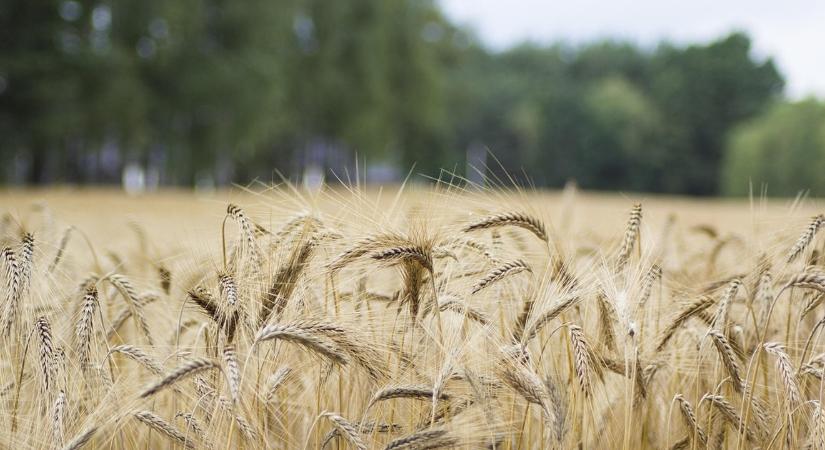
(409, 319)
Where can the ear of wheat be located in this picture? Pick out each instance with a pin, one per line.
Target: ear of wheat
(163, 427)
(83, 330)
(186, 369)
(806, 237)
(786, 372)
(232, 370)
(690, 419)
(515, 219)
(47, 356)
(728, 357)
(346, 429)
(499, 273)
(631, 234)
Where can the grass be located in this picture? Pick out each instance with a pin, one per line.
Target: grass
(423, 318)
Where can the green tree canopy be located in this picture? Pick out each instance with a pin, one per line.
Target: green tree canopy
(783, 149)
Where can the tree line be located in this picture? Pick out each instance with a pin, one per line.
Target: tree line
(231, 91)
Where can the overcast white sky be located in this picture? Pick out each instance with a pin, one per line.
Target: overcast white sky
(792, 31)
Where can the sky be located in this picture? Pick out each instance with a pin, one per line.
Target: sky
(791, 31)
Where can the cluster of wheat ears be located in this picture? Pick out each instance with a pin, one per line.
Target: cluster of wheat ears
(475, 330)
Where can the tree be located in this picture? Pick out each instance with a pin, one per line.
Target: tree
(703, 92)
(783, 149)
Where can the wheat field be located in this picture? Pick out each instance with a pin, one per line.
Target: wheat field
(409, 318)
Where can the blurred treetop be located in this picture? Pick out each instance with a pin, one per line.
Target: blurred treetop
(230, 91)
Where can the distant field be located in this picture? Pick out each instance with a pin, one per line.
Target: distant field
(175, 210)
(427, 319)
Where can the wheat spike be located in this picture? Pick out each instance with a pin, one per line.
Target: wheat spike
(690, 419)
(140, 356)
(688, 311)
(817, 427)
(430, 439)
(786, 372)
(515, 219)
(499, 273)
(83, 330)
(186, 369)
(81, 439)
(303, 334)
(275, 381)
(163, 427)
(346, 429)
(631, 235)
(58, 418)
(728, 357)
(806, 237)
(47, 355)
(583, 360)
(232, 370)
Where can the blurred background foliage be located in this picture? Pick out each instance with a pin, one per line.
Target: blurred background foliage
(209, 92)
